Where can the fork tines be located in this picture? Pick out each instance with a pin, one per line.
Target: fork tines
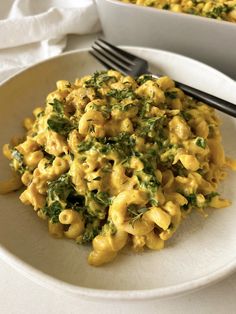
(113, 57)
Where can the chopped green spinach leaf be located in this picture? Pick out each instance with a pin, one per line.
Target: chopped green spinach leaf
(60, 189)
(135, 213)
(98, 79)
(53, 211)
(171, 94)
(20, 160)
(58, 106)
(201, 142)
(60, 125)
(121, 94)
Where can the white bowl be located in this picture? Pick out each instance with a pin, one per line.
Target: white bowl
(202, 251)
(207, 40)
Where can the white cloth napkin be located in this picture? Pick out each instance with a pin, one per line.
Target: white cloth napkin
(33, 30)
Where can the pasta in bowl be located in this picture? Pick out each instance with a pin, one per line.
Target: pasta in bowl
(217, 9)
(113, 160)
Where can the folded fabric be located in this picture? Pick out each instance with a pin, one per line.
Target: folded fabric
(33, 30)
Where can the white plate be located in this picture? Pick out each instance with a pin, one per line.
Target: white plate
(201, 252)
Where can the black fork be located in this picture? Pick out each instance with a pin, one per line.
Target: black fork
(115, 58)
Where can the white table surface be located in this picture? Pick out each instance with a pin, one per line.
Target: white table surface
(19, 295)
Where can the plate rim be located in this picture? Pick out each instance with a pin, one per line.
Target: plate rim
(50, 282)
(61, 286)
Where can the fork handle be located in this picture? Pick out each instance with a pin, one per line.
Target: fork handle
(211, 100)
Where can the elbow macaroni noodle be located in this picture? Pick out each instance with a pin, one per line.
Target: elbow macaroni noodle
(215, 9)
(113, 160)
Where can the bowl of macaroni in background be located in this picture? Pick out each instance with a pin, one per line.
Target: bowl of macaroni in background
(201, 252)
(205, 39)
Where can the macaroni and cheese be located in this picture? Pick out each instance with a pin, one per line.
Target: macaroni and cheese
(215, 9)
(113, 160)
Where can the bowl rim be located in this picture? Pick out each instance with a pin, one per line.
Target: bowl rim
(169, 13)
(61, 286)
